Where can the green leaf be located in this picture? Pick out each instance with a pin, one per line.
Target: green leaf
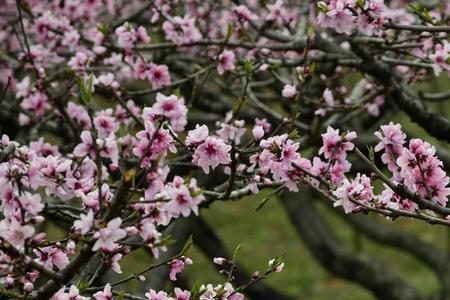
(277, 261)
(248, 66)
(121, 295)
(426, 17)
(103, 27)
(415, 7)
(314, 66)
(237, 252)
(23, 5)
(229, 31)
(322, 6)
(220, 292)
(166, 242)
(196, 291)
(361, 4)
(85, 91)
(177, 92)
(187, 245)
(82, 285)
(293, 134)
(371, 154)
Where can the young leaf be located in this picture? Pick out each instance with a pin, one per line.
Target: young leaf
(85, 91)
(237, 252)
(187, 246)
(371, 154)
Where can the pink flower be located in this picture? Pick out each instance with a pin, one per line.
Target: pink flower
(277, 268)
(106, 294)
(264, 123)
(258, 132)
(162, 141)
(277, 12)
(44, 149)
(106, 80)
(183, 198)
(181, 30)
(219, 261)
(280, 157)
(158, 75)
(359, 189)
(15, 233)
(336, 146)
(105, 123)
(36, 102)
(153, 295)
(52, 256)
(86, 147)
(289, 91)
(243, 12)
(140, 69)
(79, 62)
(226, 62)
(230, 129)
(177, 265)
(391, 141)
(328, 97)
(23, 88)
(115, 263)
(182, 295)
(142, 36)
(440, 58)
(151, 236)
(211, 153)
(108, 149)
(373, 108)
(106, 237)
(197, 136)
(31, 203)
(126, 36)
(79, 114)
(422, 172)
(337, 16)
(71, 38)
(85, 223)
(170, 108)
(73, 294)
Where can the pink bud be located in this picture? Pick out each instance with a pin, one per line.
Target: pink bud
(256, 275)
(258, 132)
(131, 231)
(39, 237)
(70, 248)
(141, 278)
(38, 219)
(28, 287)
(289, 91)
(219, 260)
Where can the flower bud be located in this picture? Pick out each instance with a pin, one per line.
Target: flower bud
(219, 261)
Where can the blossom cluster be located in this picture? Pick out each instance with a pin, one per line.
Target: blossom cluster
(116, 112)
(347, 15)
(415, 166)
